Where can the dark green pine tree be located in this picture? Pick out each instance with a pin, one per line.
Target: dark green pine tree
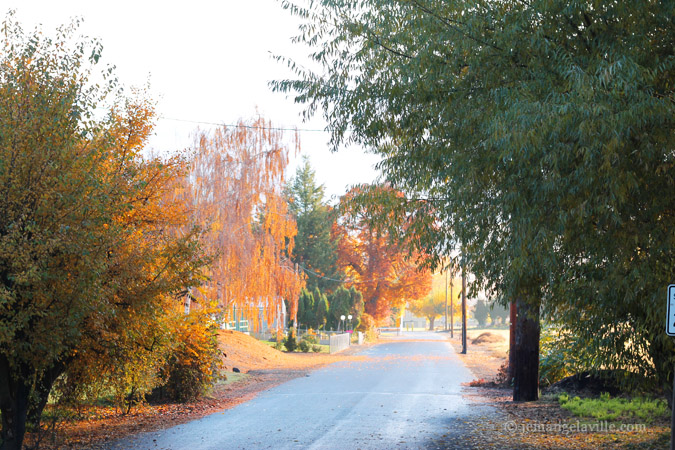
(315, 249)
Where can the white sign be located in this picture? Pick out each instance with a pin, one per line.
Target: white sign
(670, 324)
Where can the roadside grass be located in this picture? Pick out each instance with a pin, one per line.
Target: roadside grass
(230, 378)
(608, 408)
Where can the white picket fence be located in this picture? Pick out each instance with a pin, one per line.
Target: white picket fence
(339, 342)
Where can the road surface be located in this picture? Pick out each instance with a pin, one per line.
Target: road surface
(404, 395)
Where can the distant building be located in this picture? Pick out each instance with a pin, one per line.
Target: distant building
(409, 320)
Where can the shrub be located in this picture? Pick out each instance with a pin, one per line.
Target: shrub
(195, 363)
(555, 361)
(290, 343)
(368, 327)
(279, 345)
(304, 346)
(310, 339)
(316, 348)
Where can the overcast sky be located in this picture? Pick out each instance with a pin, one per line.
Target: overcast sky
(207, 61)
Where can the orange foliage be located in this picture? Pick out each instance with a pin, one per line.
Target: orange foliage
(234, 187)
(383, 271)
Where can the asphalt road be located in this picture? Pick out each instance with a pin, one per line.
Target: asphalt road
(405, 395)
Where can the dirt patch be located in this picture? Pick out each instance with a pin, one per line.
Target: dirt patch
(247, 353)
(487, 338)
(485, 359)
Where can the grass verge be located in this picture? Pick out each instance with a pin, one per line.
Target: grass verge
(608, 408)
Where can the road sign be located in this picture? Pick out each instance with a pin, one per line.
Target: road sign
(670, 321)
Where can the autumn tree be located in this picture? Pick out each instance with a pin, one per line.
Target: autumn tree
(84, 259)
(432, 306)
(235, 189)
(383, 269)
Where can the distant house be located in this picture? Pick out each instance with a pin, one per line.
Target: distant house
(409, 320)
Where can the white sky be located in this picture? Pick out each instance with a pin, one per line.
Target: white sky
(207, 61)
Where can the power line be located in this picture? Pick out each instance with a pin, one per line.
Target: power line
(251, 127)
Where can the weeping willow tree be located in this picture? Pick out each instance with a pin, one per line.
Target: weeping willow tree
(535, 135)
(235, 187)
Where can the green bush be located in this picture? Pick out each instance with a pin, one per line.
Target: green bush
(290, 342)
(316, 348)
(304, 346)
(279, 345)
(310, 339)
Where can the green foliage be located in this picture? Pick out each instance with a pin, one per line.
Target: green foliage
(321, 313)
(310, 339)
(304, 346)
(537, 136)
(316, 348)
(345, 301)
(306, 308)
(279, 345)
(89, 266)
(290, 342)
(607, 408)
(315, 249)
(480, 312)
(498, 311)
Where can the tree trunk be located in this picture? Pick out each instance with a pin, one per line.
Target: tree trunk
(41, 392)
(431, 323)
(14, 396)
(512, 338)
(526, 351)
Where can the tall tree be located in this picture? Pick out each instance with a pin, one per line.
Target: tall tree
(322, 311)
(384, 271)
(84, 256)
(481, 312)
(235, 187)
(315, 247)
(539, 138)
(432, 306)
(498, 311)
(344, 302)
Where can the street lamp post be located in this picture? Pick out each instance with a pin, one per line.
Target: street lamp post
(342, 319)
(350, 321)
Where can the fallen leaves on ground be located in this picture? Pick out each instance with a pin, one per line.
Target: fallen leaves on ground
(534, 425)
(263, 366)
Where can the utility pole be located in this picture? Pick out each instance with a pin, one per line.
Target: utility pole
(295, 316)
(512, 338)
(452, 313)
(463, 310)
(446, 299)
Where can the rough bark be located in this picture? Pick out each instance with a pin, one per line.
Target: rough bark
(14, 397)
(526, 351)
(512, 338)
